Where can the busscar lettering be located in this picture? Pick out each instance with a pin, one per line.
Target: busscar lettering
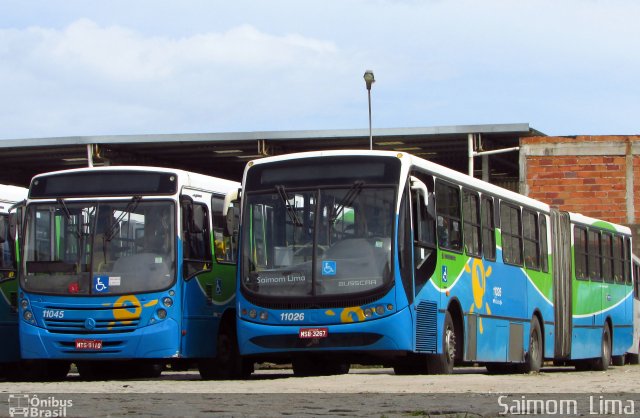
(347, 283)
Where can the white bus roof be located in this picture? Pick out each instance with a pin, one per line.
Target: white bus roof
(185, 178)
(586, 220)
(445, 173)
(408, 160)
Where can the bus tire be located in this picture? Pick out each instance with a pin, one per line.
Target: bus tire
(227, 365)
(633, 358)
(602, 363)
(443, 363)
(149, 370)
(533, 359)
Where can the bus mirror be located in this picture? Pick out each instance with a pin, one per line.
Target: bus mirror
(418, 185)
(3, 229)
(232, 220)
(197, 218)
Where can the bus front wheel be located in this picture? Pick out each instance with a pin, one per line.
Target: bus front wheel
(443, 363)
(227, 364)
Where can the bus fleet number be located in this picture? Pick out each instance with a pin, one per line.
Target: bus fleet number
(53, 313)
(292, 316)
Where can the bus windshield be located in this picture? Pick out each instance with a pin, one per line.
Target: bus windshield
(106, 247)
(320, 242)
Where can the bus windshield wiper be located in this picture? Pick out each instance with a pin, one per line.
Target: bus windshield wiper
(131, 206)
(290, 209)
(347, 200)
(67, 213)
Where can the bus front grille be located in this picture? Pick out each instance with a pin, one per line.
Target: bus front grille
(98, 326)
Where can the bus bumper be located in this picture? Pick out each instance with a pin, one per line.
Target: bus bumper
(161, 340)
(392, 333)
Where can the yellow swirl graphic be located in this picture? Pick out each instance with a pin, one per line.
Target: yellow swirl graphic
(354, 314)
(479, 287)
(131, 311)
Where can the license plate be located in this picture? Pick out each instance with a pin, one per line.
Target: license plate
(313, 333)
(88, 344)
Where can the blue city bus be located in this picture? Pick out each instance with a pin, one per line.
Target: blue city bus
(10, 348)
(129, 268)
(376, 257)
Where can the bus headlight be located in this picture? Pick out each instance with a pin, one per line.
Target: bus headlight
(253, 314)
(28, 316)
(161, 313)
(167, 302)
(380, 310)
(24, 303)
(368, 312)
(264, 315)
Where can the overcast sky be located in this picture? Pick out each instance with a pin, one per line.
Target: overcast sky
(95, 67)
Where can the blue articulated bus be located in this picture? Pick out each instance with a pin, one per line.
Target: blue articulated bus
(381, 257)
(129, 267)
(10, 348)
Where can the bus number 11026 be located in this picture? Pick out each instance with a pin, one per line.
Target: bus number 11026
(292, 316)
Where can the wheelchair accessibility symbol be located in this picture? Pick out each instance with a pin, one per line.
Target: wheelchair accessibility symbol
(101, 284)
(328, 268)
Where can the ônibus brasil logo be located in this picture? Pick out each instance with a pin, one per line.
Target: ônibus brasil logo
(24, 405)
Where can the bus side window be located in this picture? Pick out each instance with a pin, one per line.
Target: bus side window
(511, 223)
(225, 245)
(449, 215)
(488, 229)
(581, 253)
(618, 259)
(531, 240)
(544, 248)
(471, 222)
(607, 257)
(627, 260)
(595, 258)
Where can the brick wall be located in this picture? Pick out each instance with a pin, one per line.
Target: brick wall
(585, 174)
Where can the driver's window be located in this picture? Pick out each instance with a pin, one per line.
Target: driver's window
(422, 208)
(196, 238)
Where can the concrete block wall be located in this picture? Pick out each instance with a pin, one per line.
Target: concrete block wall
(598, 176)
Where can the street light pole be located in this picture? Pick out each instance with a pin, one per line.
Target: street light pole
(369, 79)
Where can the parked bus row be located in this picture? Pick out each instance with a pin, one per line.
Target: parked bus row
(328, 259)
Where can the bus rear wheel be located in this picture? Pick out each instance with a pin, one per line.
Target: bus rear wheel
(533, 360)
(443, 363)
(602, 363)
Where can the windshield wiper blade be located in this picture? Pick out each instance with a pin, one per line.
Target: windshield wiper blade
(67, 213)
(290, 209)
(347, 200)
(131, 206)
